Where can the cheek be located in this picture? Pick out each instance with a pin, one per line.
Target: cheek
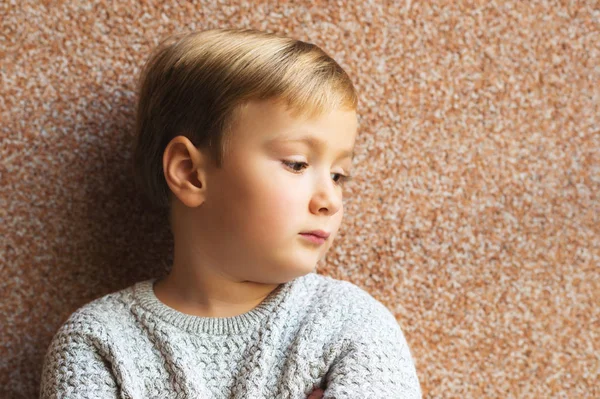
(268, 199)
(281, 200)
(337, 219)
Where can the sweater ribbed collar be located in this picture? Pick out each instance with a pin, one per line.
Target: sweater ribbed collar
(145, 296)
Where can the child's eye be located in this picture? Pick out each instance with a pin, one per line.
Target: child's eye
(343, 179)
(293, 165)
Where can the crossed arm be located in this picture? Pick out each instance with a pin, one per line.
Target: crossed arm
(374, 362)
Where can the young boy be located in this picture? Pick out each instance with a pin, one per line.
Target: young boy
(247, 137)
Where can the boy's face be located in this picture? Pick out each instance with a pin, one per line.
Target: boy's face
(256, 206)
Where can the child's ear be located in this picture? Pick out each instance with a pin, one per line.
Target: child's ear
(185, 170)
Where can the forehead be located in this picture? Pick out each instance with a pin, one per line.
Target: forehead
(272, 124)
(313, 142)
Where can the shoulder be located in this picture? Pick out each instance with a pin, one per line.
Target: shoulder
(371, 353)
(356, 309)
(345, 295)
(85, 348)
(99, 316)
(363, 330)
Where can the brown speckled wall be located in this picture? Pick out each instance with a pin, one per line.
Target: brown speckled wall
(474, 214)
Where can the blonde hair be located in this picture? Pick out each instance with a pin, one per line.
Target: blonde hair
(194, 83)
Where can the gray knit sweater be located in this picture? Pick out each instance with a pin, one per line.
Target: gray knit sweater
(314, 331)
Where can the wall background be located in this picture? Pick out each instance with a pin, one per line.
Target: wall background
(474, 215)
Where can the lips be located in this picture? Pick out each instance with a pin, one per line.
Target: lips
(318, 233)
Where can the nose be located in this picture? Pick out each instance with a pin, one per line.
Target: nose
(327, 197)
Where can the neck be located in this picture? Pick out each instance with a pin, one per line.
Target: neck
(210, 295)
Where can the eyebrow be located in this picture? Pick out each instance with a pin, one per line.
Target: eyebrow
(314, 142)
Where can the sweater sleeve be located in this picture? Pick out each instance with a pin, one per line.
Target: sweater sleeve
(375, 361)
(74, 365)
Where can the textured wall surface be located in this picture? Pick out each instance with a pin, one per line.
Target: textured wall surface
(474, 214)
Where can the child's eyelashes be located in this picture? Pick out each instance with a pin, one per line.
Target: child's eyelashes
(293, 165)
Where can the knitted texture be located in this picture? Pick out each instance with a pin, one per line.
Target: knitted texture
(314, 331)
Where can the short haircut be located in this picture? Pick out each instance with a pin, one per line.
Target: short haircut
(194, 83)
